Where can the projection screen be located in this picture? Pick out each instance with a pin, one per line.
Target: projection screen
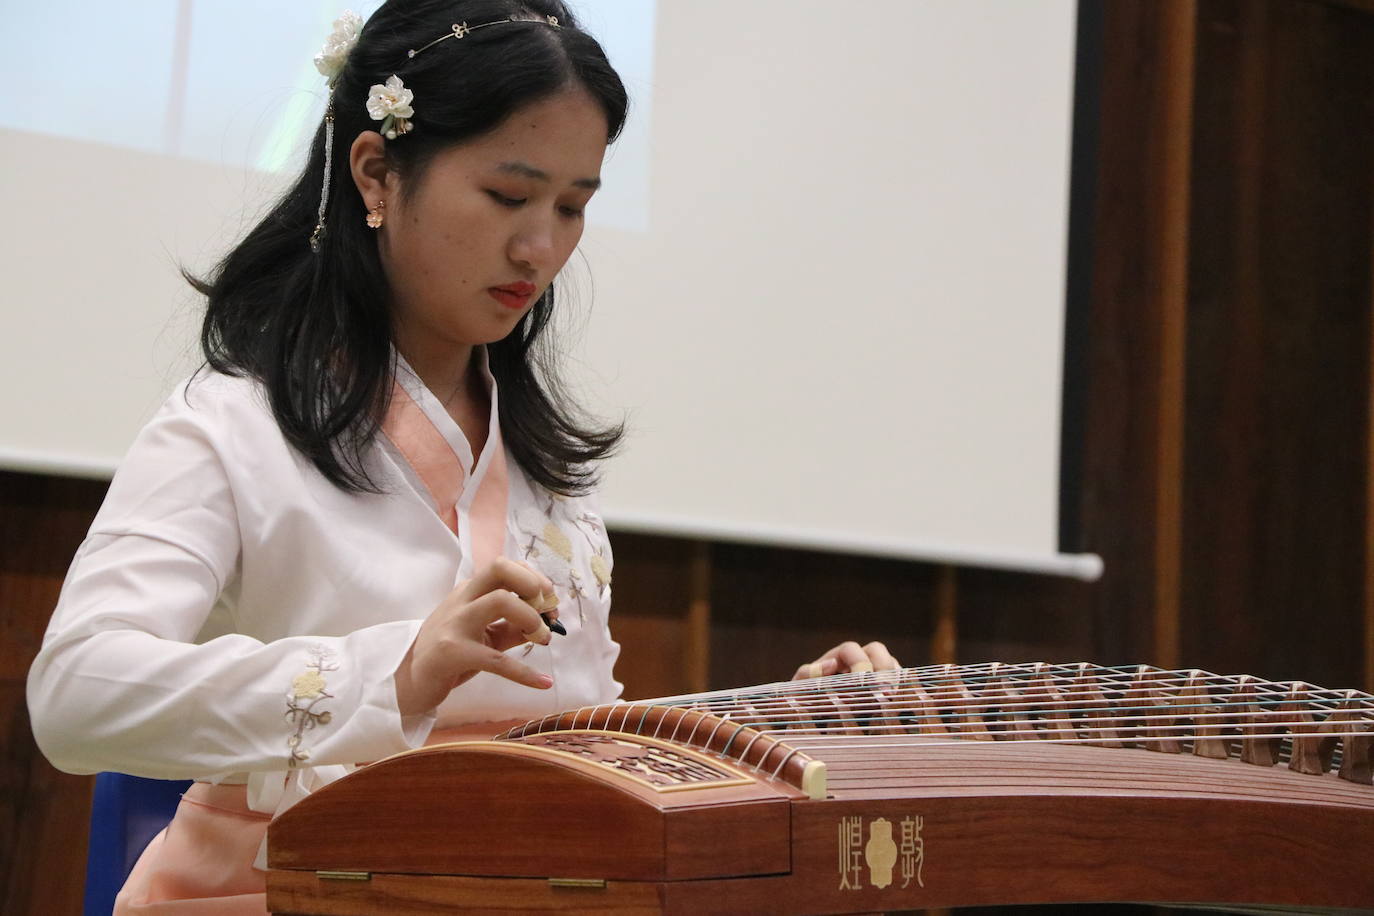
(824, 282)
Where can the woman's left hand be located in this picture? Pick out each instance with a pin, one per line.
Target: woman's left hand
(848, 657)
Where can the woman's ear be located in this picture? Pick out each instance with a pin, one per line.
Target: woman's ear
(367, 163)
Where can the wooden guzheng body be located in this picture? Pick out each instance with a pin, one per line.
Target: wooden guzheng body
(929, 787)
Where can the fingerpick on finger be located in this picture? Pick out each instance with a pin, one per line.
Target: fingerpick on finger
(541, 635)
(543, 601)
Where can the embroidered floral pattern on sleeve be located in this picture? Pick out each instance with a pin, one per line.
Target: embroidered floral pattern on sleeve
(307, 690)
(551, 541)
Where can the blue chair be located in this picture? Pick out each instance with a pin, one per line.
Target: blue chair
(126, 813)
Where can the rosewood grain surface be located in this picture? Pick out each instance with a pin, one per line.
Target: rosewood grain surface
(406, 895)
(997, 824)
(1102, 823)
(488, 810)
(1062, 850)
(1038, 768)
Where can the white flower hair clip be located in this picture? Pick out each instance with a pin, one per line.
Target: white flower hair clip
(390, 104)
(330, 61)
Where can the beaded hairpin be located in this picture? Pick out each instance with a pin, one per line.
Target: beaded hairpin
(461, 29)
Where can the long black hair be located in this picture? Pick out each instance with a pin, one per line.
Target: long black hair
(315, 327)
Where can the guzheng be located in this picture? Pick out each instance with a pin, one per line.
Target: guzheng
(875, 791)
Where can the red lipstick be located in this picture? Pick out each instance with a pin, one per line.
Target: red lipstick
(513, 295)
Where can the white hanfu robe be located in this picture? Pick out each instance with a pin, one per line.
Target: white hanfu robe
(234, 618)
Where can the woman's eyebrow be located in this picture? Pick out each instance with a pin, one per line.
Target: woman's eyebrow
(525, 170)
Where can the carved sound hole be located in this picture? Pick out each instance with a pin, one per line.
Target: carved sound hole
(660, 767)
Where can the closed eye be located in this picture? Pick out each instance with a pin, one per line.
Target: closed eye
(505, 201)
(516, 202)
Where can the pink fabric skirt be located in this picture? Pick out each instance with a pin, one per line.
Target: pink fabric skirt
(202, 863)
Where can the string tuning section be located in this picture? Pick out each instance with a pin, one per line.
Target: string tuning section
(840, 712)
(909, 705)
(1010, 719)
(799, 717)
(763, 712)
(963, 711)
(1309, 751)
(1354, 720)
(750, 716)
(1209, 717)
(1096, 721)
(885, 717)
(927, 711)
(1156, 724)
(1050, 705)
(1259, 743)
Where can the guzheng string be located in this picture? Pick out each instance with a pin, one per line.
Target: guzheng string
(941, 676)
(1123, 686)
(890, 715)
(1081, 703)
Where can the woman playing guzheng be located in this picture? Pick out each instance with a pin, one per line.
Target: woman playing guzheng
(335, 541)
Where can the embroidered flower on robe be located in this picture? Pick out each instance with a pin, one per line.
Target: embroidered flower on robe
(307, 690)
(558, 542)
(550, 542)
(308, 686)
(601, 569)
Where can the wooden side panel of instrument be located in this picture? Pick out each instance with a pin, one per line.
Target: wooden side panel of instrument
(494, 810)
(305, 894)
(1015, 850)
(972, 851)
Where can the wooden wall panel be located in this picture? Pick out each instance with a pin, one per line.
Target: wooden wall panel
(1014, 617)
(774, 609)
(650, 614)
(1137, 210)
(44, 814)
(1278, 340)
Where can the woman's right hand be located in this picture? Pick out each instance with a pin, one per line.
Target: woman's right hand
(470, 631)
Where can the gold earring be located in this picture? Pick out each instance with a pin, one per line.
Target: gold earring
(375, 215)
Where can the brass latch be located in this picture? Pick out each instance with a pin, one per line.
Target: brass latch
(344, 875)
(599, 883)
